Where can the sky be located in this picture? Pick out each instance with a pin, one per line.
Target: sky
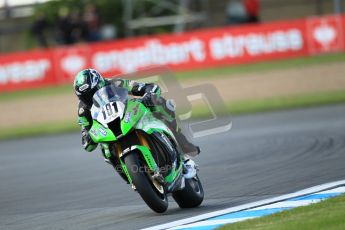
(19, 2)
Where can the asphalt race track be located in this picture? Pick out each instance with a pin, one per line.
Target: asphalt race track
(51, 183)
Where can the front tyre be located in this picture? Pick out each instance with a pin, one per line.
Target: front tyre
(191, 195)
(155, 198)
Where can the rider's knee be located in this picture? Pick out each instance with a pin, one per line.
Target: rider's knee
(170, 105)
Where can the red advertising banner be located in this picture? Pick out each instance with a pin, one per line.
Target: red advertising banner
(325, 34)
(70, 60)
(190, 50)
(26, 70)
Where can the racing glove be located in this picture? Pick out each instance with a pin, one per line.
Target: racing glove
(88, 144)
(149, 99)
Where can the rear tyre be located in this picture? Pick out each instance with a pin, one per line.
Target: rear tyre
(191, 195)
(155, 198)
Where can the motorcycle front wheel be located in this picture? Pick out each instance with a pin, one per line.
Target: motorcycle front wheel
(150, 191)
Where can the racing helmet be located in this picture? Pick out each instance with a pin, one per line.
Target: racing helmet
(86, 83)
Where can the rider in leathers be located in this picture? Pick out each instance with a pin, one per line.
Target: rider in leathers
(88, 81)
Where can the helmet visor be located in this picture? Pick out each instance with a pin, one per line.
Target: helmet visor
(86, 97)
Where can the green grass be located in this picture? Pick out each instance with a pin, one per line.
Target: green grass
(261, 66)
(39, 92)
(277, 103)
(39, 130)
(328, 214)
(235, 70)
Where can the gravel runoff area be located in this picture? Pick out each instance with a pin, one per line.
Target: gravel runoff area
(307, 79)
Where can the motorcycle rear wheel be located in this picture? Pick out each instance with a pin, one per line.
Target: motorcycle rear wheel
(191, 195)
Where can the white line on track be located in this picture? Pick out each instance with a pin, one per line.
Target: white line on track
(211, 222)
(257, 204)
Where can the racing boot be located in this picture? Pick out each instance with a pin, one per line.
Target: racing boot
(189, 168)
(187, 147)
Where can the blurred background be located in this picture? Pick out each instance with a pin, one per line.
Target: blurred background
(29, 24)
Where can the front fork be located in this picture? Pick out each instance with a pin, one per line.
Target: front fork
(150, 162)
(106, 151)
(109, 158)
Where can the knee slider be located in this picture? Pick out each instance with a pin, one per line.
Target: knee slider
(170, 105)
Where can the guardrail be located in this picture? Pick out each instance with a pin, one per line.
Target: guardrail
(185, 51)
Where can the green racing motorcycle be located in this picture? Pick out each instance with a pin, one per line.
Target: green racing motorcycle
(142, 149)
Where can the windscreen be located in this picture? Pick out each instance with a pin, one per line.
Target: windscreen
(109, 94)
